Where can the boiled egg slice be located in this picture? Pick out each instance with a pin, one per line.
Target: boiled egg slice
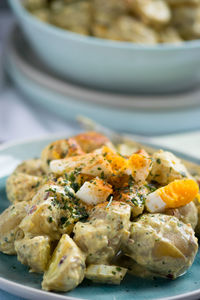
(175, 194)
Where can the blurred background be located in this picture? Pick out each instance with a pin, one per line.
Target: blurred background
(19, 117)
(147, 84)
(138, 75)
(141, 78)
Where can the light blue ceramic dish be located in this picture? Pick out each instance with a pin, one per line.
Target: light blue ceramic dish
(116, 66)
(15, 278)
(137, 114)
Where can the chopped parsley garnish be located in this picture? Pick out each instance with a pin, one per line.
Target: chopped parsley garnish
(72, 177)
(134, 201)
(50, 220)
(102, 176)
(37, 184)
(75, 186)
(138, 199)
(158, 160)
(82, 213)
(150, 187)
(114, 273)
(69, 192)
(63, 220)
(77, 171)
(130, 181)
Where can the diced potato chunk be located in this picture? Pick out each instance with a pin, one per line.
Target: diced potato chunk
(133, 30)
(41, 220)
(58, 150)
(34, 252)
(170, 35)
(179, 3)
(188, 214)
(154, 12)
(106, 12)
(67, 267)
(35, 4)
(77, 145)
(105, 274)
(31, 167)
(42, 14)
(76, 16)
(186, 19)
(53, 211)
(89, 141)
(105, 232)
(162, 244)
(19, 186)
(9, 226)
(166, 168)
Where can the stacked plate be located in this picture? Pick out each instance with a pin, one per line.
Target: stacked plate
(131, 113)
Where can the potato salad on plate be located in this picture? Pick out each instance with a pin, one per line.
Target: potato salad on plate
(88, 208)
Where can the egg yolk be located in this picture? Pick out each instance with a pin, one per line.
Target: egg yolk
(179, 192)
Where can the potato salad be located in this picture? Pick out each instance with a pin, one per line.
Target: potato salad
(137, 21)
(90, 209)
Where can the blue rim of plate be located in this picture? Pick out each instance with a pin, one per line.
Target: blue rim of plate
(18, 7)
(15, 288)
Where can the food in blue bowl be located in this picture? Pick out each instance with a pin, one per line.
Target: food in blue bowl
(124, 46)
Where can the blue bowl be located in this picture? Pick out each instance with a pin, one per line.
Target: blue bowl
(112, 65)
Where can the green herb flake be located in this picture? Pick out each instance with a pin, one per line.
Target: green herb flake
(134, 201)
(113, 272)
(63, 220)
(102, 176)
(158, 160)
(50, 220)
(37, 184)
(72, 177)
